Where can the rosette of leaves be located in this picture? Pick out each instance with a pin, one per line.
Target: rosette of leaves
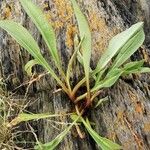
(111, 65)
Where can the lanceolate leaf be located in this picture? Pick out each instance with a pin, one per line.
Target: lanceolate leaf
(99, 76)
(109, 80)
(80, 59)
(144, 70)
(133, 65)
(102, 142)
(86, 44)
(27, 117)
(118, 42)
(29, 65)
(69, 68)
(129, 48)
(54, 143)
(138, 70)
(24, 38)
(43, 26)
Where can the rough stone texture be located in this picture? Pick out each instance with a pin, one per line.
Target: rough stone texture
(125, 118)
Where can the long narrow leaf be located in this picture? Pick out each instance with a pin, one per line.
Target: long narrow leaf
(80, 60)
(129, 48)
(24, 38)
(99, 76)
(69, 68)
(109, 80)
(117, 43)
(86, 44)
(133, 65)
(102, 142)
(43, 26)
(138, 70)
(144, 70)
(27, 117)
(54, 143)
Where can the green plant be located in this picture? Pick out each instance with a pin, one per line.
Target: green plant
(11, 107)
(105, 74)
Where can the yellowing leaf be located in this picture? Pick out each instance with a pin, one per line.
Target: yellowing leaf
(29, 65)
